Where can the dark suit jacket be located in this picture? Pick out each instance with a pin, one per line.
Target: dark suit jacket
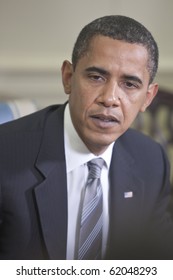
(33, 192)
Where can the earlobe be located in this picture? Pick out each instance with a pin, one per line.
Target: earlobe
(66, 71)
(151, 93)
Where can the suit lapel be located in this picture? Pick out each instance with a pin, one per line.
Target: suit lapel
(51, 194)
(126, 194)
(126, 200)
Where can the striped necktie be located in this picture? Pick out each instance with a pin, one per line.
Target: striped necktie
(90, 235)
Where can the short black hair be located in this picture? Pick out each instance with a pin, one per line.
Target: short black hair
(120, 28)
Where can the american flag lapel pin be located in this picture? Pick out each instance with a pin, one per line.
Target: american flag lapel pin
(128, 194)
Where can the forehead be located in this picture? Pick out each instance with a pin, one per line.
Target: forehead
(111, 54)
(118, 48)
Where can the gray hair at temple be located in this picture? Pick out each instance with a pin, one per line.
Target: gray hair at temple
(120, 28)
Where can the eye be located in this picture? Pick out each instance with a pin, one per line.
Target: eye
(96, 77)
(131, 85)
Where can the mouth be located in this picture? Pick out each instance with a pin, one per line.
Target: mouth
(105, 118)
(105, 121)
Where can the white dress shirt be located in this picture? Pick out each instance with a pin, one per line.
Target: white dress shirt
(77, 155)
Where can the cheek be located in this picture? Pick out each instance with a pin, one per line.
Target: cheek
(131, 109)
(137, 100)
(81, 97)
(79, 106)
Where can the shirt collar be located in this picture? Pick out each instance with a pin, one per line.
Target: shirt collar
(76, 151)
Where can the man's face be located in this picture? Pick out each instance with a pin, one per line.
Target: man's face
(107, 89)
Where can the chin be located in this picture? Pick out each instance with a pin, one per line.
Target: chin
(98, 147)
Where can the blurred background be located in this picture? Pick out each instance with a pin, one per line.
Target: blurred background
(37, 35)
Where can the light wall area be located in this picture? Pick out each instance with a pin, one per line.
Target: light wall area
(37, 35)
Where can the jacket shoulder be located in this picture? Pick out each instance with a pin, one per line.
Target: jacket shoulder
(138, 141)
(29, 122)
(148, 155)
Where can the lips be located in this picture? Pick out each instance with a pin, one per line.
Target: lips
(105, 118)
(105, 121)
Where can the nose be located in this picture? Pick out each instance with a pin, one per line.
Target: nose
(110, 95)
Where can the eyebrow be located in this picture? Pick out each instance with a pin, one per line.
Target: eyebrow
(102, 71)
(133, 78)
(98, 70)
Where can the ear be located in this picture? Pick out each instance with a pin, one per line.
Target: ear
(151, 93)
(66, 72)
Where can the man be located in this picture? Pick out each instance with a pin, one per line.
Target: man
(44, 157)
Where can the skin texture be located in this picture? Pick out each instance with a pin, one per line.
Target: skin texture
(107, 89)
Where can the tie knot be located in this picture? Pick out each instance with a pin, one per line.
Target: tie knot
(95, 167)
